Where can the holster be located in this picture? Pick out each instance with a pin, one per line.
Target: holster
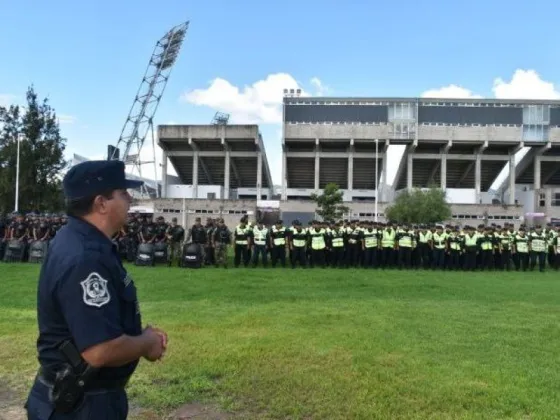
(70, 382)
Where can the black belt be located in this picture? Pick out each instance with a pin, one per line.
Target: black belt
(48, 377)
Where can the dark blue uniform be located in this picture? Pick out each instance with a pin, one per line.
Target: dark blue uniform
(84, 295)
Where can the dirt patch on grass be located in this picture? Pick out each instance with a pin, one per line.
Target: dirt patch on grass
(199, 412)
(193, 411)
(11, 407)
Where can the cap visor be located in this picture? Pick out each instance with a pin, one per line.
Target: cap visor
(130, 184)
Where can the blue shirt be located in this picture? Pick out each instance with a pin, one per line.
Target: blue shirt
(85, 294)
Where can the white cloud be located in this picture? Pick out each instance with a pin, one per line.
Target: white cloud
(320, 88)
(7, 99)
(259, 103)
(525, 84)
(66, 119)
(450, 91)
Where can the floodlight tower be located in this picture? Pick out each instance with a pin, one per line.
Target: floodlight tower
(140, 118)
(220, 118)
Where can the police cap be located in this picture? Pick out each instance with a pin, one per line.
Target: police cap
(94, 177)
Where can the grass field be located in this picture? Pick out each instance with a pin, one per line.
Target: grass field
(331, 344)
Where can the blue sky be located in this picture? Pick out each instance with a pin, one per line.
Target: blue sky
(89, 56)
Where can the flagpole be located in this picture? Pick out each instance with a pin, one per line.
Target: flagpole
(376, 176)
(19, 138)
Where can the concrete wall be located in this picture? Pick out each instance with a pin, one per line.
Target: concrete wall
(187, 210)
(208, 131)
(347, 194)
(188, 191)
(498, 134)
(525, 196)
(232, 210)
(551, 207)
(335, 131)
(554, 134)
(480, 134)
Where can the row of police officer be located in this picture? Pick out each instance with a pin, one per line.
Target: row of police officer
(377, 245)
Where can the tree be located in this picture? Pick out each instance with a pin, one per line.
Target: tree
(329, 203)
(41, 156)
(419, 206)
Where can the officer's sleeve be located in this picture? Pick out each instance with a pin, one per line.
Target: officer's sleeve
(90, 304)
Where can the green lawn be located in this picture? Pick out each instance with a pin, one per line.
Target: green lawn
(331, 344)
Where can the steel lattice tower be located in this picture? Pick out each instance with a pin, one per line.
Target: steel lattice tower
(140, 118)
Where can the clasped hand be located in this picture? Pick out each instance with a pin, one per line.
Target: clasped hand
(159, 341)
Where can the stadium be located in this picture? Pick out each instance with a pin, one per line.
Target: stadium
(456, 144)
(327, 344)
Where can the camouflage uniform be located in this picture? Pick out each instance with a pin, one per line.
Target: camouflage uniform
(221, 238)
(175, 235)
(221, 254)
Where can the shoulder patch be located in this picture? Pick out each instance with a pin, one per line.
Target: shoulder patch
(96, 292)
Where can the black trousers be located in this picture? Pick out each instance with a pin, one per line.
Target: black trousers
(438, 258)
(405, 257)
(279, 253)
(317, 258)
(486, 259)
(551, 256)
(388, 259)
(298, 256)
(505, 260)
(521, 260)
(260, 251)
(353, 255)
(470, 259)
(425, 255)
(102, 404)
(539, 257)
(241, 253)
(338, 257)
(454, 259)
(370, 257)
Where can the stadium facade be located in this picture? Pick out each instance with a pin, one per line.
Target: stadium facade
(215, 162)
(450, 143)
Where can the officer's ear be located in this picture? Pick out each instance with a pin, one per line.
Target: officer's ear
(101, 202)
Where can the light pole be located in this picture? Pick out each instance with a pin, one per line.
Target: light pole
(376, 176)
(19, 139)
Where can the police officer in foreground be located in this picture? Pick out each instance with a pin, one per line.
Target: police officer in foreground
(90, 334)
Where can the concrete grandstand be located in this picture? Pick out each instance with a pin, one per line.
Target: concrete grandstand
(449, 143)
(215, 161)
